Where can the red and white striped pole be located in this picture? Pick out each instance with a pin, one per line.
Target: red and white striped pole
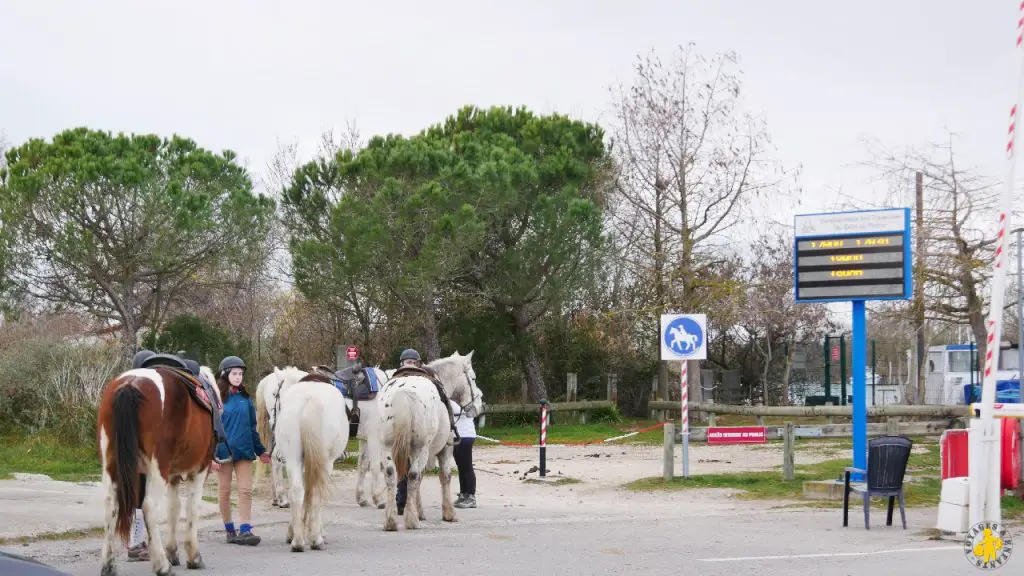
(685, 429)
(983, 455)
(543, 436)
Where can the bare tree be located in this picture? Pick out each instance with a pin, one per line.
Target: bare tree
(960, 208)
(774, 321)
(689, 163)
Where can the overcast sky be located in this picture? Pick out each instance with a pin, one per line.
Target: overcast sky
(247, 75)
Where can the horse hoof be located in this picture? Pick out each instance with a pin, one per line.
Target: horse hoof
(196, 564)
(284, 505)
(315, 546)
(390, 525)
(172, 556)
(363, 503)
(298, 548)
(108, 569)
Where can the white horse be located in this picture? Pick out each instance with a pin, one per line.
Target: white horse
(414, 426)
(311, 432)
(268, 404)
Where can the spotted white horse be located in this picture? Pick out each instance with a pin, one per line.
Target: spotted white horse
(414, 427)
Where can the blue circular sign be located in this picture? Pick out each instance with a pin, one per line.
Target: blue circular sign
(683, 336)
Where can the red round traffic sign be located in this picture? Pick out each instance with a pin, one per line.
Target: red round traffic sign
(352, 353)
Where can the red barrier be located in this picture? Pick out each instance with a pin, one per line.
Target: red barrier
(953, 450)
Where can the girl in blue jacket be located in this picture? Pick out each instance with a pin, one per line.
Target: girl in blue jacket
(237, 454)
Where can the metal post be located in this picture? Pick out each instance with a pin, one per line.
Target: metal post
(1020, 341)
(828, 370)
(1020, 311)
(860, 408)
(874, 375)
(842, 368)
(543, 436)
(685, 418)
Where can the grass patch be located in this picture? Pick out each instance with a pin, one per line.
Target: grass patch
(46, 455)
(924, 490)
(347, 463)
(573, 432)
(559, 482)
(54, 536)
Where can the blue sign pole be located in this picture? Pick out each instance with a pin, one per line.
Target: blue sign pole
(854, 257)
(860, 404)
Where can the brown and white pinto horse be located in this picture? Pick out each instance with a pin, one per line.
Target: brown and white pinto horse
(153, 432)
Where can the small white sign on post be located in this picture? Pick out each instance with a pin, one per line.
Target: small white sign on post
(684, 337)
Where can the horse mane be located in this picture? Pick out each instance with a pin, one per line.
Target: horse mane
(208, 374)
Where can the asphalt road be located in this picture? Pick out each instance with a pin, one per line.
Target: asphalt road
(565, 541)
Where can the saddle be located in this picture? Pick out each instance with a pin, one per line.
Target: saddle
(429, 375)
(345, 380)
(199, 390)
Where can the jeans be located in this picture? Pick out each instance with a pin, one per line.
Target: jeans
(400, 496)
(463, 453)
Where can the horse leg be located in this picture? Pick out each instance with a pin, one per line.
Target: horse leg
(363, 468)
(444, 472)
(390, 507)
(195, 496)
(110, 509)
(297, 528)
(315, 529)
(173, 514)
(414, 507)
(156, 489)
(280, 488)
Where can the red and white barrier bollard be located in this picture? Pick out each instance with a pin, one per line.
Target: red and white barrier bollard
(685, 430)
(543, 435)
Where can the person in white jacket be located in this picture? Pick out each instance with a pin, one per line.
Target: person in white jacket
(463, 453)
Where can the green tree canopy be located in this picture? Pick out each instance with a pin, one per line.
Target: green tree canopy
(540, 187)
(118, 226)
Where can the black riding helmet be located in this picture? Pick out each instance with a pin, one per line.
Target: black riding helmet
(141, 357)
(409, 354)
(230, 362)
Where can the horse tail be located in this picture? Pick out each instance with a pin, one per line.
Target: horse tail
(263, 430)
(401, 446)
(314, 458)
(126, 456)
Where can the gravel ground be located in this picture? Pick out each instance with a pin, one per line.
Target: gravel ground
(590, 527)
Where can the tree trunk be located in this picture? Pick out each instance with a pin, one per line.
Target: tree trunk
(659, 275)
(429, 338)
(527, 356)
(129, 327)
(790, 351)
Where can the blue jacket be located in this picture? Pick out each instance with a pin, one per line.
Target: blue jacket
(243, 442)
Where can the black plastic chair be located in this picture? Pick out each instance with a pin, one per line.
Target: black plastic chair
(887, 464)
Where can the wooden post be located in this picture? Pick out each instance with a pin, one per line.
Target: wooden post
(570, 387)
(668, 458)
(613, 387)
(711, 419)
(892, 426)
(760, 420)
(788, 459)
(481, 422)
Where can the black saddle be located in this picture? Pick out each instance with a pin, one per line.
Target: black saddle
(173, 361)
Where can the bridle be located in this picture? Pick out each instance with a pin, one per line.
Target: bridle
(472, 386)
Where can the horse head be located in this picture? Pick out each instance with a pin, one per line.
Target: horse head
(459, 379)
